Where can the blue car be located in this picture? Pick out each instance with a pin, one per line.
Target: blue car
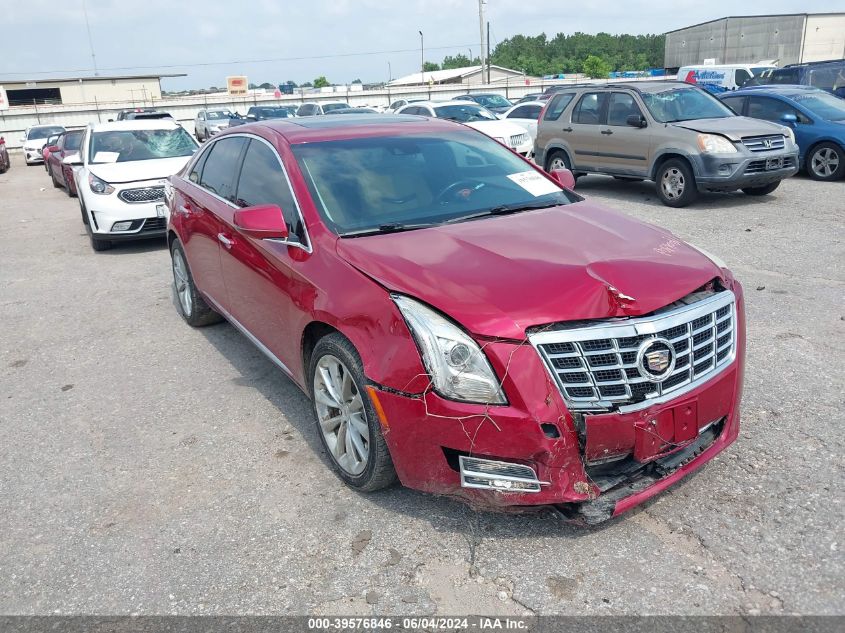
(816, 117)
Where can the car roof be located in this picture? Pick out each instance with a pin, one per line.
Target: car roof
(135, 124)
(784, 90)
(528, 103)
(331, 127)
(443, 102)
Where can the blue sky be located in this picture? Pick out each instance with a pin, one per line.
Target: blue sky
(44, 37)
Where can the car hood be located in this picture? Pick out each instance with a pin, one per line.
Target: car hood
(734, 127)
(501, 129)
(133, 171)
(498, 276)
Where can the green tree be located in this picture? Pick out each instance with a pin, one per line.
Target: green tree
(290, 83)
(267, 86)
(321, 82)
(357, 81)
(458, 61)
(595, 67)
(430, 67)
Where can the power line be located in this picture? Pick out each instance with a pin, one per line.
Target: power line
(240, 61)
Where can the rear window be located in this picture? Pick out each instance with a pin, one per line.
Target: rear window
(785, 76)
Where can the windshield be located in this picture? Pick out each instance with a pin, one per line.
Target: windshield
(823, 105)
(335, 106)
(391, 182)
(44, 132)
(270, 113)
(684, 104)
(121, 146)
(463, 113)
(215, 115)
(493, 101)
(72, 141)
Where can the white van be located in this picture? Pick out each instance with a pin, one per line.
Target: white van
(721, 78)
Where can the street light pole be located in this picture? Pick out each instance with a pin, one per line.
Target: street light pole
(422, 58)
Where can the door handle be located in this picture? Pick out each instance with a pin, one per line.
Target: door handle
(228, 243)
(607, 131)
(567, 129)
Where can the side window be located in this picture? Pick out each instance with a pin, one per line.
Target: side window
(622, 105)
(558, 105)
(412, 110)
(395, 104)
(588, 110)
(525, 112)
(735, 103)
(784, 76)
(196, 170)
(769, 109)
(221, 167)
(263, 181)
(741, 76)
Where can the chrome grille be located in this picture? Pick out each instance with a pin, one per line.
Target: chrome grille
(142, 194)
(597, 367)
(519, 139)
(763, 143)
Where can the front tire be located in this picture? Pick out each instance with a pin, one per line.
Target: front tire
(557, 160)
(676, 184)
(192, 306)
(100, 245)
(765, 190)
(347, 424)
(826, 162)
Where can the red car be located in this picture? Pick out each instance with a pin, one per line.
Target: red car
(67, 144)
(462, 321)
(5, 163)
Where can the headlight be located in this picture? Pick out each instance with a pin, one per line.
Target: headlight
(99, 186)
(788, 133)
(713, 258)
(458, 368)
(715, 144)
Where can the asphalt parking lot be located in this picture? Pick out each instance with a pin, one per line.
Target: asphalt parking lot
(146, 467)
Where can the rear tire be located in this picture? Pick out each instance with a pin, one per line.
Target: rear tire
(826, 162)
(192, 306)
(761, 191)
(676, 184)
(56, 183)
(345, 414)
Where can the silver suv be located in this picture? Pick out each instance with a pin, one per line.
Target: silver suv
(671, 132)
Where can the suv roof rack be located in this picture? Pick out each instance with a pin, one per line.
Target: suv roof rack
(821, 61)
(621, 84)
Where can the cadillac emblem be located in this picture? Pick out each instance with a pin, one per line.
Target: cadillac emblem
(656, 359)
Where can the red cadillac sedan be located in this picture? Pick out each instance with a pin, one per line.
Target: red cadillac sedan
(462, 321)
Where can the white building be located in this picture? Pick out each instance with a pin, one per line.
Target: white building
(466, 76)
(131, 89)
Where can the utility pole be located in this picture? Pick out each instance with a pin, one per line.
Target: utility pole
(90, 41)
(481, 34)
(488, 53)
(422, 58)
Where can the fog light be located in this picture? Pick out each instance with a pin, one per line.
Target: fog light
(726, 168)
(121, 226)
(496, 475)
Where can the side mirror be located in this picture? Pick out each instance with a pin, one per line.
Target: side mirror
(564, 178)
(789, 119)
(53, 148)
(262, 222)
(111, 120)
(72, 159)
(636, 120)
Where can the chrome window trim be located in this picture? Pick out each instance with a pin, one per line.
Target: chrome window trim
(307, 247)
(637, 326)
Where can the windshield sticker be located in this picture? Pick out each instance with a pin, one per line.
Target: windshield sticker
(106, 157)
(534, 183)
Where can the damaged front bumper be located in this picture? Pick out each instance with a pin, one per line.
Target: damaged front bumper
(445, 447)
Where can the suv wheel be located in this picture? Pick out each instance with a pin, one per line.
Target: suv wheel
(192, 306)
(676, 184)
(347, 423)
(761, 191)
(826, 162)
(557, 160)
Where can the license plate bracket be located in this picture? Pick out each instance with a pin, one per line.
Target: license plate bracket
(774, 163)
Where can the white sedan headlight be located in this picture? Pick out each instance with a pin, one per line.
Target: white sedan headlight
(715, 144)
(458, 368)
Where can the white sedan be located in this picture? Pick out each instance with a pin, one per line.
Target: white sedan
(121, 171)
(525, 115)
(34, 139)
(475, 116)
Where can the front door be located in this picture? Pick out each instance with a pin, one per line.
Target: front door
(621, 148)
(261, 275)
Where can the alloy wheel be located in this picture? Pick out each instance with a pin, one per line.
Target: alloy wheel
(673, 183)
(825, 162)
(182, 281)
(341, 415)
(557, 163)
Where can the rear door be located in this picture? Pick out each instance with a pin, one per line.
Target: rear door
(622, 148)
(201, 205)
(586, 123)
(260, 274)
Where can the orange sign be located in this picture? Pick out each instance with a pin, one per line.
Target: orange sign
(237, 85)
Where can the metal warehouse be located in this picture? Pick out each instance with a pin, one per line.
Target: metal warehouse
(128, 88)
(790, 39)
